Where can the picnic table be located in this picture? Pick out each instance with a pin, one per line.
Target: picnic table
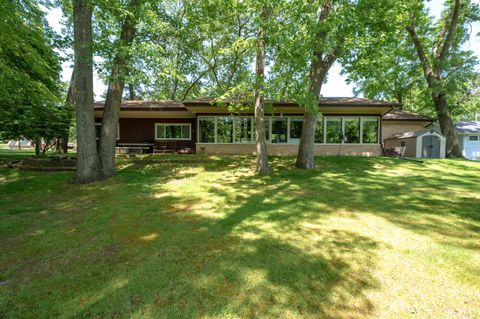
(133, 148)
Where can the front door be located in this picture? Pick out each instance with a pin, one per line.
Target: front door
(431, 146)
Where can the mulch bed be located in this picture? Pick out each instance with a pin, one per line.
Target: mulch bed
(45, 164)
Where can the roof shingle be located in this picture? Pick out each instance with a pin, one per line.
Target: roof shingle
(468, 127)
(146, 105)
(324, 101)
(398, 115)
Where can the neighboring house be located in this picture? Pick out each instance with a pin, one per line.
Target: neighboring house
(19, 144)
(469, 139)
(349, 126)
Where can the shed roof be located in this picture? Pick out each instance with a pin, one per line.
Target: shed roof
(468, 127)
(398, 115)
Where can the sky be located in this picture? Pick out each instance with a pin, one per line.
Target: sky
(336, 84)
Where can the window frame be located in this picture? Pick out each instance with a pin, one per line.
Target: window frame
(371, 118)
(271, 118)
(360, 129)
(287, 134)
(173, 139)
(476, 136)
(235, 122)
(289, 127)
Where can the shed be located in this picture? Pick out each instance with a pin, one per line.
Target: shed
(427, 144)
(469, 139)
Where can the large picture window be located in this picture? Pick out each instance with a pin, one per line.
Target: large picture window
(286, 129)
(225, 129)
(279, 130)
(206, 129)
(334, 130)
(172, 131)
(243, 129)
(370, 130)
(352, 130)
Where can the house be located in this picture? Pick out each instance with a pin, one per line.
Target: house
(349, 126)
(469, 139)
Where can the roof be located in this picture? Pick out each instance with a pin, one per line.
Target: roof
(146, 105)
(468, 127)
(324, 101)
(398, 115)
(169, 105)
(410, 134)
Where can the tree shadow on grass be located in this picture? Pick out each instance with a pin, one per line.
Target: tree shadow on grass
(140, 249)
(237, 265)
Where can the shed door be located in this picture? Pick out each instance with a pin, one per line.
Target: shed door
(431, 146)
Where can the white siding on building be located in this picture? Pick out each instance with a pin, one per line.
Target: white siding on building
(471, 146)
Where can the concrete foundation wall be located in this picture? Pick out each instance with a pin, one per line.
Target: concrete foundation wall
(291, 150)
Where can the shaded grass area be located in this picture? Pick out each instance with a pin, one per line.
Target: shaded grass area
(7, 154)
(197, 236)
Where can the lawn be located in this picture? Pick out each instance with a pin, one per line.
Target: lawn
(197, 236)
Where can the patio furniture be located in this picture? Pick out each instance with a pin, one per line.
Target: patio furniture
(165, 147)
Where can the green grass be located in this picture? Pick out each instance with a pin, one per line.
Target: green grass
(204, 237)
(6, 154)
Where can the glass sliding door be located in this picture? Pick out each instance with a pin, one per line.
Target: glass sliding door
(352, 130)
(206, 129)
(295, 133)
(224, 129)
(243, 129)
(370, 130)
(334, 130)
(279, 130)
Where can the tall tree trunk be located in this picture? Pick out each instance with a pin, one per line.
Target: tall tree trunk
(432, 73)
(88, 163)
(306, 151)
(446, 125)
(69, 102)
(131, 91)
(261, 141)
(38, 142)
(321, 63)
(108, 135)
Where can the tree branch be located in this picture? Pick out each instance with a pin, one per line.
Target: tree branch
(451, 31)
(427, 69)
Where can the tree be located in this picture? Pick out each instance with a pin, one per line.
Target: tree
(119, 72)
(30, 87)
(322, 61)
(389, 67)
(445, 38)
(88, 161)
(313, 37)
(261, 142)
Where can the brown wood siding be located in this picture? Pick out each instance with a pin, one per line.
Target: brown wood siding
(139, 130)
